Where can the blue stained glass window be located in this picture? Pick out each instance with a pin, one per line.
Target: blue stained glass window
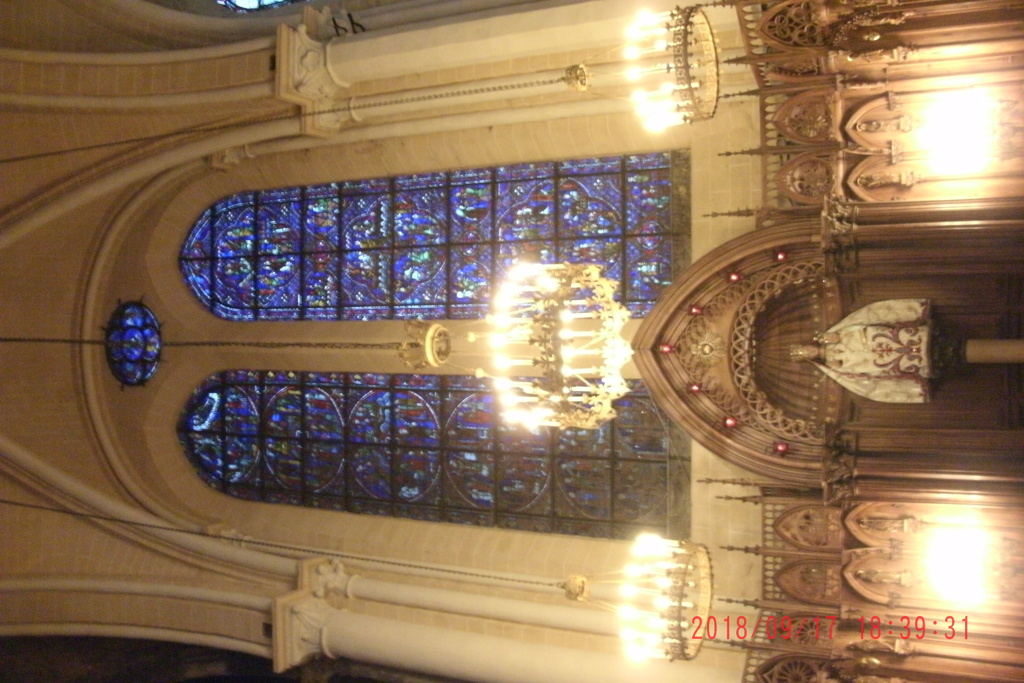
(132, 343)
(429, 245)
(251, 5)
(424, 447)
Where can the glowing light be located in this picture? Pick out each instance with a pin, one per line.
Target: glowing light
(662, 588)
(629, 613)
(957, 560)
(684, 43)
(959, 131)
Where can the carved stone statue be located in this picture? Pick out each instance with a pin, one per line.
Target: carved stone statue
(884, 578)
(880, 352)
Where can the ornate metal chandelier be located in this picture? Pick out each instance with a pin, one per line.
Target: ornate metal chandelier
(561, 323)
(676, 58)
(665, 598)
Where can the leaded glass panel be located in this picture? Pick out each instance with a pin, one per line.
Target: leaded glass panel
(429, 245)
(423, 447)
(252, 5)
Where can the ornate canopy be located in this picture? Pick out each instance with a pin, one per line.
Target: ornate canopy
(715, 351)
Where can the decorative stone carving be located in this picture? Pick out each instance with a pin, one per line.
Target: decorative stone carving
(890, 645)
(881, 575)
(329, 577)
(838, 467)
(792, 24)
(299, 620)
(904, 179)
(811, 527)
(310, 617)
(900, 53)
(901, 124)
(792, 669)
(838, 234)
(304, 79)
(816, 582)
(837, 493)
(876, 179)
(708, 350)
(794, 69)
(807, 117)
(806, 179)
(299, 616)
(230, 157)
(772, 419)
(236, 537)
(862, 25)
(879, 524)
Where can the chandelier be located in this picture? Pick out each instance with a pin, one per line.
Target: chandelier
(561, 324)
(675, 55)
(666, 597)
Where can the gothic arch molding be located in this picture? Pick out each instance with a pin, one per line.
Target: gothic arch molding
(718, 303)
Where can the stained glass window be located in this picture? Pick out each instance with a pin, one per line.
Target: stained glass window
(132, 343)
(250, 5)
(432, 245)
(424, 447)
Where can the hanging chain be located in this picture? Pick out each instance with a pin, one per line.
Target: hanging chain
(447, 94)
(389, 346)
(392, 346)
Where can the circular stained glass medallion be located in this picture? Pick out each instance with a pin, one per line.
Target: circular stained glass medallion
(133, 343)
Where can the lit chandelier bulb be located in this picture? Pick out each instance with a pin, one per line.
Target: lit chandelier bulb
(546, 283)
(629, 612)
(634, 571)
(662, 602)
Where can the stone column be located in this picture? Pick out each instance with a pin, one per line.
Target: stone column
(320, 73)
(306, 625)
(995, 351)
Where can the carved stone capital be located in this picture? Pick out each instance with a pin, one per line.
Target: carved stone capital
(299, 616)
(230, 157)
(886, 644)
(231, 534)
(837, 493)
(324, 577)
(299, 620)
(303, 78)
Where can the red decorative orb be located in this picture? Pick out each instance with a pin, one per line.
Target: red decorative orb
(781, 447)
(735, 277)
(781, 255)
(667, 348)
(695, 388)
(730, 422)
(696, 310)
